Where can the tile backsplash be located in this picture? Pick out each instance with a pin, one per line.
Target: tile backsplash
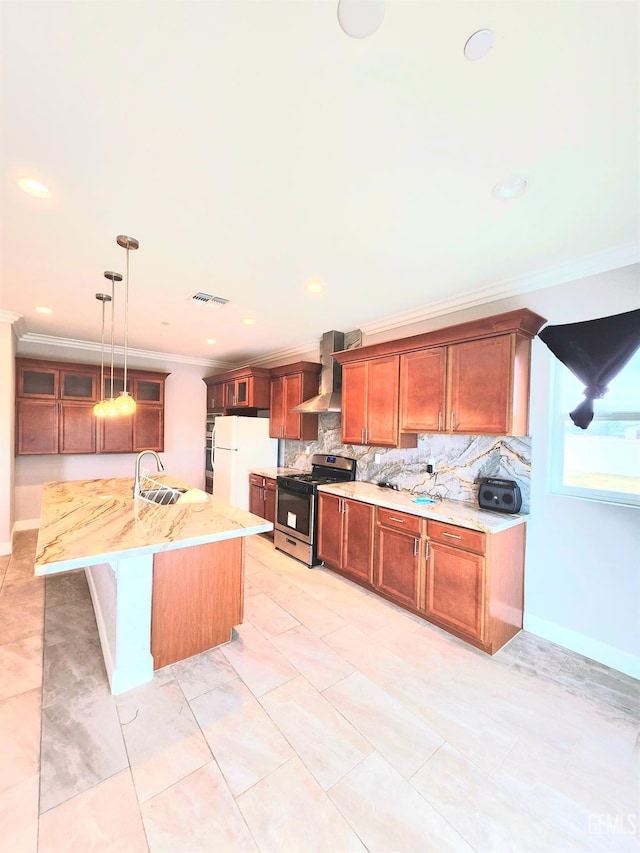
(459, 460)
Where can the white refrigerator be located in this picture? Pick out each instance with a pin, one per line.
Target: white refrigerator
(240, 444)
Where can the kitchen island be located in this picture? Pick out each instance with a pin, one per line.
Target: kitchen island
(166, 581)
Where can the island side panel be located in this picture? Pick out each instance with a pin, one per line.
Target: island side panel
(197, 598)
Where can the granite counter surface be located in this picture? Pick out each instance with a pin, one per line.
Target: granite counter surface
(85, 522)
(276, 472)
(452, 512)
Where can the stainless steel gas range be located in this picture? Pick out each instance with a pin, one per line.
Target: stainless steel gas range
(296, 526)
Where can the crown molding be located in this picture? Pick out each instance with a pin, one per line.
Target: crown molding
(91, 346)
(609, 259)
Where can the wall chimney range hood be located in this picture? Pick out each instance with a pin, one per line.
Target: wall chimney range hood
(330, 397)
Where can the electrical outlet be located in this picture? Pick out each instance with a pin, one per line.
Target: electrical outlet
(431, 466)
(376, 458)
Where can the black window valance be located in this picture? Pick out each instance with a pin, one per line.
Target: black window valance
(595, 351)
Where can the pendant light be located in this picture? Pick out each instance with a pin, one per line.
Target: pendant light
(125, 404)
(98, 409)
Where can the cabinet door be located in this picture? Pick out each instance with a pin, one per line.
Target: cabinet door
(292, 396)
(270, 499)
(215, 397)
(38, 382)
(147, 391)
(423, 384)
(77, 428)
(37, 427)
(330, 529)
(276, 407)
(115, 435)
(481, 386)
(398, 558)
(382, 401)
(354, 402)
(358, 540)
(148, 428)
(256, 495)
(455, 589)
(79, 385)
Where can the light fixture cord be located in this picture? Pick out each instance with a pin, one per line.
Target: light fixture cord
(113, 308)
(102, 356)
(126, 323)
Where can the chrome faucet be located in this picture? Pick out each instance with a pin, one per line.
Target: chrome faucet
(136, 485)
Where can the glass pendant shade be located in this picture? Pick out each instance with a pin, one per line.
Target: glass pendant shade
(125, 404)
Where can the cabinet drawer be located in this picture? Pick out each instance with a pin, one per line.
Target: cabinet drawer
(459, 537)
(256, 480)
(399, 520)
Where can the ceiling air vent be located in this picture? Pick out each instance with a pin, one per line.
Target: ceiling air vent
(201, 298)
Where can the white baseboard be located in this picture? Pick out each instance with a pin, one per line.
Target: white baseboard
(26, 524)
(602, 652)
(5, 549)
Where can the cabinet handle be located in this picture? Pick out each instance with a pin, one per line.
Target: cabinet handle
(451, 535)
(453, 421)
(281, 432)
(415, 547)
(426, 550)
(399, 520)
(362, 439)
(439, 421)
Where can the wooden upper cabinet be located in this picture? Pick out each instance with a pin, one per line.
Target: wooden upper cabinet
(54, 409)
(291, 385)
(237, 390)
(423, 390)
(370, 393)
(471, 378)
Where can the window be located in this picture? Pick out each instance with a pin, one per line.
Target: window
(602, 462)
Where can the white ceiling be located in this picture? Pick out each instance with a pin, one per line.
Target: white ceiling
(253, 146)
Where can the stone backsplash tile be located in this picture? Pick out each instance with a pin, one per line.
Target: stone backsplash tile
(459, 460)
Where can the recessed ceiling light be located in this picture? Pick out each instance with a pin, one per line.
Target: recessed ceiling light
(210, 341)
(41, 309)
(360, 18)
(249, 321)
(315, 287)
(34, 188)
(479, 44)
(509, 188)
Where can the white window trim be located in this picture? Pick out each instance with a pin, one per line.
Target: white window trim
(556, 467)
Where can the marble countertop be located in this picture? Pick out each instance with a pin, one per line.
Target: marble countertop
(86, 522)
(276, 472)
(455, 512)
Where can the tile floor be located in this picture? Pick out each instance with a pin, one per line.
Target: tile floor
(333, 722)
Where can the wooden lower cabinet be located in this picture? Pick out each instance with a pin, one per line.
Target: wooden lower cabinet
(345, 536)
(197, 598)
(399, 563)
(262, 498)
(475, 583)
(465, 581)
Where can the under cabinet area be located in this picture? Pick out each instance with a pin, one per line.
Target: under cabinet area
(262, 497)
(54, 409)
(345, 536)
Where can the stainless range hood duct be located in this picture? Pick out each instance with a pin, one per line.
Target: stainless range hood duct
(330, 397)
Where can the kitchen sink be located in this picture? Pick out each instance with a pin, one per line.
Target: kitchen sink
(163, 496)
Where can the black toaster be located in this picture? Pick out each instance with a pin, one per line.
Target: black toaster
(500, 495)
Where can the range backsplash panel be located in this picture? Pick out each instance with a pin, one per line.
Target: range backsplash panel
(459, 460)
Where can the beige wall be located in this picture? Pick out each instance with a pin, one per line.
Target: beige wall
(7, 414)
